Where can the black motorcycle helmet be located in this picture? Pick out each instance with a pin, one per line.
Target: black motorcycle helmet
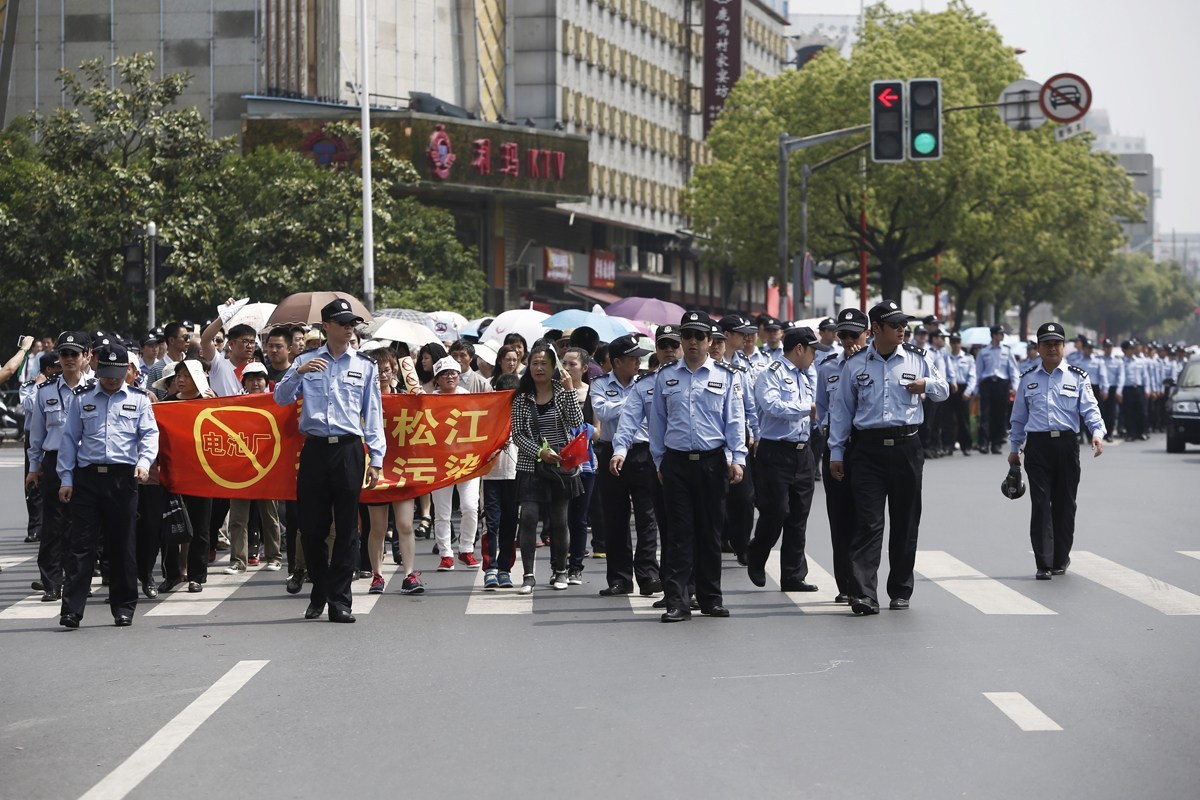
(1013, 485)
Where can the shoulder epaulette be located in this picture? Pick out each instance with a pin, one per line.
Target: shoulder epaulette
(912, 348)
(1031, 369)
(732, 366)
(857, 353)
(828, 358)
(725, 365)
(1077, 370)
(651, 373)
(775, 365)
(52, 382)
(86, 386)
(29, 383)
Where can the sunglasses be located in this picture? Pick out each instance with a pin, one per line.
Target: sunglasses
(693, 335)
(849, 334)
(896, 326)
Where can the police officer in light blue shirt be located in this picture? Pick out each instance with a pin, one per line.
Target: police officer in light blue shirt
(962, 389)
(996, 371)
(740, 502)
(109, 441)
(698, 442)
(342, 410)
(772, 331)
(874, 421)
(1051, 400)
(785, 482)
(1133, 392)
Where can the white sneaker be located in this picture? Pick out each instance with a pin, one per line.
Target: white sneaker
(558, 581)
(273, 566)
(527, 585)
(232, 569)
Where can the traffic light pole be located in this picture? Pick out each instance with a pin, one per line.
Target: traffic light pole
(152, 237)
(787, 146)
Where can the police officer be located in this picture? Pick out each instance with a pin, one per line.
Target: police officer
(698, 442)
(741, 333)
(931, 431)
(874, 424)
(1096, 367)
(961, 392)
(996, 371)
(45, 422)
(631, 486)
(342, 408)
(108, 443)
(772, 332)
(48, 370)
(827, 332)
(1051, 400)
(1114, 368)
(785, 400)
(739, 505)
(1133, 392)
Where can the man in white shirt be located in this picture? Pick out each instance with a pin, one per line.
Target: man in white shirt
(225, 372)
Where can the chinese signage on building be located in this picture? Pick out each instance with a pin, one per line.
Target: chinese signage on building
(602, 269)
(558, 266)
(722, 55)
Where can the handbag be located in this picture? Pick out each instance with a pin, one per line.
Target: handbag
(177, 525)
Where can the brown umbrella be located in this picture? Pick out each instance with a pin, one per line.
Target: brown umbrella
(305, 307)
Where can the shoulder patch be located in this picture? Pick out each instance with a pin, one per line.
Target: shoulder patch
(86, 386)
(1077, 370)
(725, 366)
(775, 365)
(1031, 369)
(28, 383)
(827, 359)
(857, 353)
(912, 348)
(732, 366)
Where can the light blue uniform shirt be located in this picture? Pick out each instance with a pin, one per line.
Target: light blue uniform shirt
(785, 402)
(1096, 368)
(771, 355)
(1135, 372)
(1115, 369)
(829, 372)
(996, 361)
(697, 411)
(45, 417)
(634, 415)
(107, 429)
(608, 398)
(756, 362)
(1053, 401)
(964, 371)
(749, 403)
(873, 393)
(342, 400)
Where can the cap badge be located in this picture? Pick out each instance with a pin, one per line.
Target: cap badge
(846, 315)
(692, 316)
(112, 356)
(345, 306)
(891, 305)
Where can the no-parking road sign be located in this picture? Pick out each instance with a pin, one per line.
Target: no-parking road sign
(1065, 98)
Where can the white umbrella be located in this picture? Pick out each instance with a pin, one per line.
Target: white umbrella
(401, 330)
(524, 321)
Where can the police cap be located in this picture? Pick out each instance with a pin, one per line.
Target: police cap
(771, 323)
(339, 311)
(696, 321)
(664, 332)
(852, 320)
(626, 346)
(1051, 332)
(737, 324)
(112, 360)
(72, 341)
(804, 336)
(718, 335)
(887, 312)
(827, 324)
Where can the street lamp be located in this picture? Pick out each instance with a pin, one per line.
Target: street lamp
(152, 238)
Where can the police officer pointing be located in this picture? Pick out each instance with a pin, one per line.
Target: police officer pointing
(342, 408)
(1051, 399)
(875, 417)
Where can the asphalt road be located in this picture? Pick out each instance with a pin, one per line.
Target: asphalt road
(459, 693)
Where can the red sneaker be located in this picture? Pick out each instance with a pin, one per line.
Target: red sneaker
(468, 559)
(252, 561)
(376, 584)
(446, 564)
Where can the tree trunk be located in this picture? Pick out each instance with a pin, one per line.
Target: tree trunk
(1024, 321)
(891, 282)
(980, 319)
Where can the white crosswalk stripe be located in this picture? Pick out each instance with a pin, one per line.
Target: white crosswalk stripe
(1018, 708)
(182, 603)
(973, 587)
(820, 602)
(360, 589)
(1190, 553)
(8, 562)
(1135, 585)
(32, 607)
(503, 601)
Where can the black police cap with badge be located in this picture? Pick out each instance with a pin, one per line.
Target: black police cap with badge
(827, 324)
(851, 320)
(804, 336)
(670, 332)
(1051, 332)
(1013, 485)
(626, 346)
(72, 342)
(732, 323)
(112, 361)
(887, 313)
(699, 321)
(339, 311)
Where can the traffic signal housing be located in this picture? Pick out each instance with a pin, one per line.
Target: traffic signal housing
(135, 274)
(887, 121)
(162, 270)
(925, 119)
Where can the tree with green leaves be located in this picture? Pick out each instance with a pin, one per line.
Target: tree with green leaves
(1133, 296)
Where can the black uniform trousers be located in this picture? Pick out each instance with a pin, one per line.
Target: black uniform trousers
(152, 502)
(881, 472)
(1052, 464)
(1108, 412)
(33, 501)
(694, 489)
(930, 428)
(103, 510)
(839, 505)
(739, 509)
(784, 500)
(961, 409)
(993, 408)
(632, 489)
(56, 517)
(1133, 407)
(327, 490)
(199, 511)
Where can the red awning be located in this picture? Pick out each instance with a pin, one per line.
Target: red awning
(595, 295)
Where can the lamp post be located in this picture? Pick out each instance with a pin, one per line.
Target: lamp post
(368, 213)
(152, 238)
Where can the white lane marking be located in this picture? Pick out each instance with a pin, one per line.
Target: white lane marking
(32, 607)
(820, 602)
(1018, 708)
(1190, 553)
(1135, 585)
(973, 587)
(14, 561)
(362, 598)
(159, 747)
(642, 606)
(182, 603)
(501, 601)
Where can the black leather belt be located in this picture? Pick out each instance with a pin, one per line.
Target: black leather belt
(697, 455)
(885, 436)
(107, 469)
(1050, 434)
(346, 437)
(783, 443)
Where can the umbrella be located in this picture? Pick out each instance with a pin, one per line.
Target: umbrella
(305, 307)
(253, 314)
(973, 336)
(524, 321)
(474, 327)
(448, 320)
(608, 327)
(633, 326)
(400, 330)
(647, 309)
(419, 317)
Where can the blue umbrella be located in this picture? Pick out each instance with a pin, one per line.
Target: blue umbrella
(572, 318)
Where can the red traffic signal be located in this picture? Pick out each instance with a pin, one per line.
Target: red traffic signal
(887, 121)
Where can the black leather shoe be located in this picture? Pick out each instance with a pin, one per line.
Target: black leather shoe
(757, 575)
(742, 560)
(195, 587)
(69, 620)
(38, 586)
(660, 603)
(797, 586)
(149, 589)
(694, 604)
(1061, 570)
(864, 606)
(32, 539)
(1042, 575)
(616, 590)
(650, 589)
(314, 610)
(340, 616)
(842, 598)
(966, 453)
(123, 621)
(996, 450)
(899, 604)
(168, 586)
(295, 583)
(676, 615)
(716, 611)
(49, 596)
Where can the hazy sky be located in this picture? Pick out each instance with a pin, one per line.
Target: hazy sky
(1140, 58)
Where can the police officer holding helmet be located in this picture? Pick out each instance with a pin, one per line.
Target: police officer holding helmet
(1051, 400)
(874, 422)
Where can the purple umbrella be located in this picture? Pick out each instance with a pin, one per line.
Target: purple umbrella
(646, 309)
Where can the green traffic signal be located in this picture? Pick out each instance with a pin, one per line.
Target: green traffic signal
(925, 143)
